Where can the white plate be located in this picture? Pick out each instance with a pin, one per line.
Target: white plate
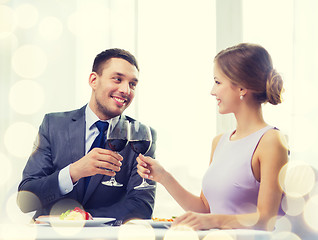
(57, 222)
(154, 224)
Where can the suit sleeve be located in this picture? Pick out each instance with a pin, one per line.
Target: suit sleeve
(137, 203)
(39, 185)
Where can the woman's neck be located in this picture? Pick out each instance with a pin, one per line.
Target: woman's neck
(248, 121)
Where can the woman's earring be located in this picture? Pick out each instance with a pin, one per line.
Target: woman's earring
(241, 97)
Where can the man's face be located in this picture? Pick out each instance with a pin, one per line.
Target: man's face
(114, 89)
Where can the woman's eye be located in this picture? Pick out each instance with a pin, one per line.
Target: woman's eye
(217, 82)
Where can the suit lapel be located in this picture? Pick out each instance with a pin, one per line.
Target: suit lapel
(92, 185)
(77, 142)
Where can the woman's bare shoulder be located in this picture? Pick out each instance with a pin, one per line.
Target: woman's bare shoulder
(216, 139)
(273, 145)
(275, 137)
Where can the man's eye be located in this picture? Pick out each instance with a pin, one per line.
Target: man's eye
(117, 79)
(133, 85)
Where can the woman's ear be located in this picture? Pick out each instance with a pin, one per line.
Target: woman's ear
(243, 91)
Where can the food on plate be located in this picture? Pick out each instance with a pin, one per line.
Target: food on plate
(76, 214)
(163, 219)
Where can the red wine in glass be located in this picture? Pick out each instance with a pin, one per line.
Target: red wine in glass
(116, 145)
(141, 146)
(116, 140)
(140, 142)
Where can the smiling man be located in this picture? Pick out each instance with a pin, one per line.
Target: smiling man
(64, 172)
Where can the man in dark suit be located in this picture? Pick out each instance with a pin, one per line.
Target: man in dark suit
(55, 174)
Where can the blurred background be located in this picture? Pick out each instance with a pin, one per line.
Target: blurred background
(47, 48)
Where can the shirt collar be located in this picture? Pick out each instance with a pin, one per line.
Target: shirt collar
(91, 118)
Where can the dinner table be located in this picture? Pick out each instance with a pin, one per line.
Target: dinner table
(132, 230)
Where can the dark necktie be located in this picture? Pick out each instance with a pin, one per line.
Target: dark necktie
(98, 142)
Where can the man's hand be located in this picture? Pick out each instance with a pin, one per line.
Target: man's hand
(97, 161)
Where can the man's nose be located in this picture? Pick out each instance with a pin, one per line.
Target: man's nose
(124, 88)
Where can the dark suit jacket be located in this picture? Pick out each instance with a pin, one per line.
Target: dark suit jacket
(61, 141)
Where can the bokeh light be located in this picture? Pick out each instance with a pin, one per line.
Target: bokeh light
(219, 235)
(19, 138)
(14, 213)
(28, 201)
(51, 28)
(63, 205)
(293, 206)
(6, 169)
(84, 20)
(282, 224)
(181, 233)
(21, 231)
(29, 61)
(72, 23)
(60, 207)
(8, 21)
(297, 178)
(311, 212)
(314, 191)
(248, 221)
(10, 42)
(27, 15)
(66, 231)
(26, 97)
(285, 236)
(136, 231)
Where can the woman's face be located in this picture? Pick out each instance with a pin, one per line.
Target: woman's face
(226, 94)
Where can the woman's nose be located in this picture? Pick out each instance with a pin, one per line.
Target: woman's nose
(213, 91)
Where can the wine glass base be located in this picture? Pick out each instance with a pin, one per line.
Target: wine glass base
(144, 186)
(112, 184)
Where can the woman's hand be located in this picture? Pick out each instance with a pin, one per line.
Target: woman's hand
(149, 168)
(195, 221)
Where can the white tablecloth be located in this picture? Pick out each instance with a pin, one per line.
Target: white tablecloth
(124, 232)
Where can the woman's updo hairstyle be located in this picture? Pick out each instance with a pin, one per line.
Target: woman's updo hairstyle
(250, 66)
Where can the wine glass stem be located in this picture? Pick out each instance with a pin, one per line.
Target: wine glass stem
(144, 181)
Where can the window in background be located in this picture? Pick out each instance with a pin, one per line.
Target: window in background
(270, 24)
(176, 47)
(287, 29)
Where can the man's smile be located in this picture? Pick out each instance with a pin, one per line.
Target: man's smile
(121, 101)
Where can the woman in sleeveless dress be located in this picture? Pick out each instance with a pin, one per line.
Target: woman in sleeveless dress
(240, 188)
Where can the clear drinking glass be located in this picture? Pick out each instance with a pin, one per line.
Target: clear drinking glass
(140, 142)
(117, 139)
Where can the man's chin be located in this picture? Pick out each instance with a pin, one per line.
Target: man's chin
(111, 113)
(116, 112)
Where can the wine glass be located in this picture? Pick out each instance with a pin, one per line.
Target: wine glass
(117, 139)
(140, 142)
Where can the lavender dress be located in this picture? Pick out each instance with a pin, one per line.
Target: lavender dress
(229, 184)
